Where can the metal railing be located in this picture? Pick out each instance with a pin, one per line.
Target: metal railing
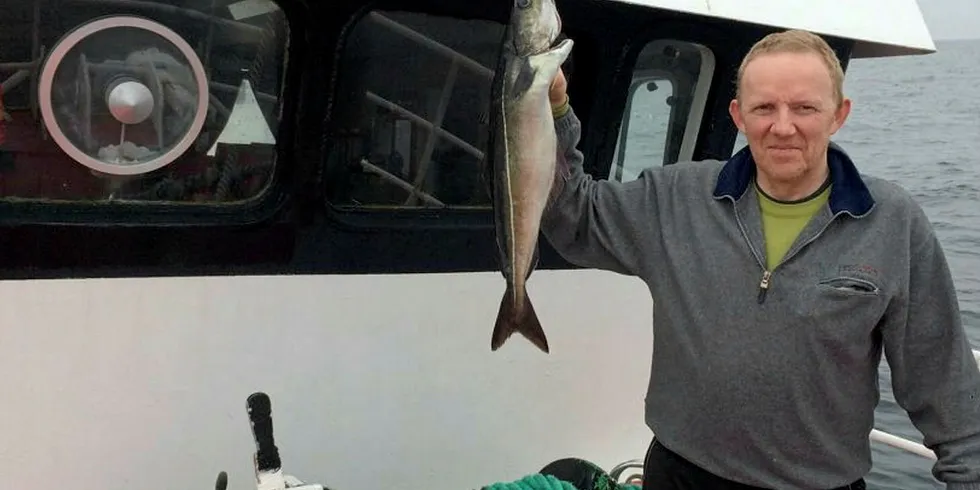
(434, 126)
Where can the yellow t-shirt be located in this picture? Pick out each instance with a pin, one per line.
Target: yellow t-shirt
(782, 222)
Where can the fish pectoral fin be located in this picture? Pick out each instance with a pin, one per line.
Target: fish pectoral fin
(546, 64)
(523, 319)
(525, 77)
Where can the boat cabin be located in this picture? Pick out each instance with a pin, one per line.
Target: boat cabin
(202, 199)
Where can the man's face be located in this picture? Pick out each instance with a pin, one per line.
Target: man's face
(788, 113)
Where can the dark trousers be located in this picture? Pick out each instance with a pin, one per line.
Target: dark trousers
(665, 470)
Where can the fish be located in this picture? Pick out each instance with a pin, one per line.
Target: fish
(523, 154)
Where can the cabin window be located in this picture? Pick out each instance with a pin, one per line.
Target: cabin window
(412, 110)
(145, 102)
(664, 107)
(740, 143)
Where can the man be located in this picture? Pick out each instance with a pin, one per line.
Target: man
(778, 277)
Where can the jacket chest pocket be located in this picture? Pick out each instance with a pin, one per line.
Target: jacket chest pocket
(840, 314)
(849, 286)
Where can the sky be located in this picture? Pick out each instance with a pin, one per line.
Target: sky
(952, 19)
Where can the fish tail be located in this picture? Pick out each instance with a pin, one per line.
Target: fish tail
(517, 318)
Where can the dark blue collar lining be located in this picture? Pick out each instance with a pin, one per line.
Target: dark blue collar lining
(848, 194)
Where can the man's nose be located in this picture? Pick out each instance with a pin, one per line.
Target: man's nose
(783, 123)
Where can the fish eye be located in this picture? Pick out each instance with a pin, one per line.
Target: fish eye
(523, 4)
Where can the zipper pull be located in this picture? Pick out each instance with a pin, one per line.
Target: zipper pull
(764, 286)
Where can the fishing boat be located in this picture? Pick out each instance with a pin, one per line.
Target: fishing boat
(205, 199)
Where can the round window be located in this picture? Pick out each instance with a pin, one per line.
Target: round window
(123, 95)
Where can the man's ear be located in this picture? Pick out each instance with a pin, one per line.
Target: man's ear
(840, 115)
(733, 111)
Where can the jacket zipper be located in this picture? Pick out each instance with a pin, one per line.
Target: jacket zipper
(766, 274)
(764, 286)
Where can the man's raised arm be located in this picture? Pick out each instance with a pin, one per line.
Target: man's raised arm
(597, 223)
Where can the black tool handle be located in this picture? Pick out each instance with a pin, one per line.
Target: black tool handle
(260, 416)
(221, 483)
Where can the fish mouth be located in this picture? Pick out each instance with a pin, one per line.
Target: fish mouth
(537, 25)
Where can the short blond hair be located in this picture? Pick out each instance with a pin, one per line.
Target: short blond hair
(797, 41)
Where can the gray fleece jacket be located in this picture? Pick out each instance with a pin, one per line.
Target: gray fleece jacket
(776, 386)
